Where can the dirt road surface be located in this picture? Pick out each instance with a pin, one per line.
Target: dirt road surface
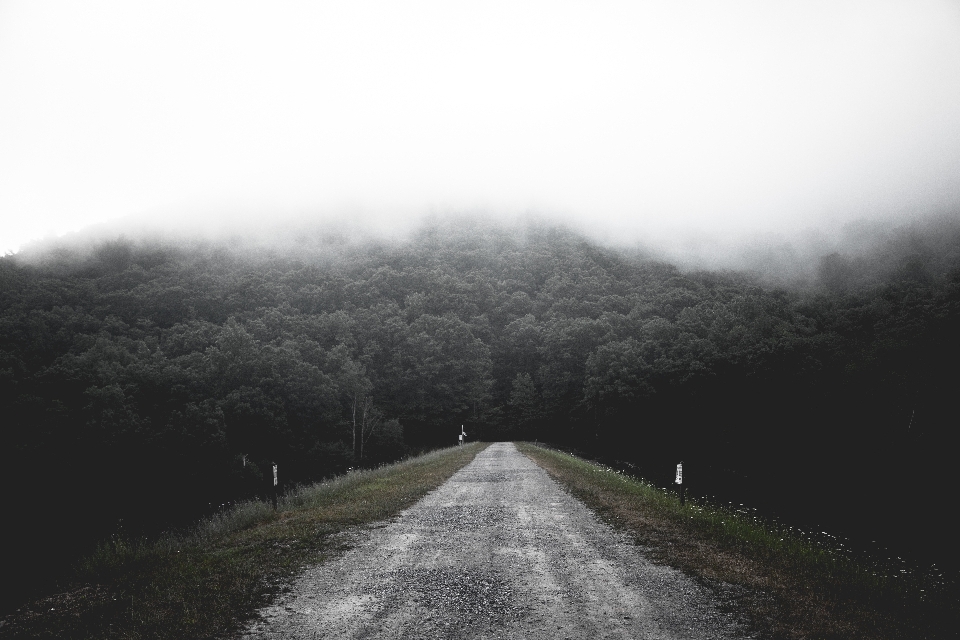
(499, 551)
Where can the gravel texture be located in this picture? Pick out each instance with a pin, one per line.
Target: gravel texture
(499, 551)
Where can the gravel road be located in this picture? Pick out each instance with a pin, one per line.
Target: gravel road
(499, 551)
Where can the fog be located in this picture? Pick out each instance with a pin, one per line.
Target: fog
(720, 134)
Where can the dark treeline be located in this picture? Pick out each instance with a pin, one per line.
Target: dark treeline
(146, 380)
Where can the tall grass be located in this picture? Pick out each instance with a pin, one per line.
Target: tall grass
(235, 518)
(361, 484)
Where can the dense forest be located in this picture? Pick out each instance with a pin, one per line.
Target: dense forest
(145, 381)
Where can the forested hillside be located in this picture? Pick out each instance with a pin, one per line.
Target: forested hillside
(142, 377)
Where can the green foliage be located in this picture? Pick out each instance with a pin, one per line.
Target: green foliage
(148, 372)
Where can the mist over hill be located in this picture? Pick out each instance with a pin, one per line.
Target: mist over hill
(148, 377)
(871, 248)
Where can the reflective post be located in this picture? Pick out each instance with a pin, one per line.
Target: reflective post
(275, 486)
(679, 481)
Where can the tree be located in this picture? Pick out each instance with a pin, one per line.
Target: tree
(524, 399)
(616, 374)
(356, 387)
(370, 419)
(448, 369)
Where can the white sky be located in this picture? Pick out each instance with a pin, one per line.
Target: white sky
(714, 115)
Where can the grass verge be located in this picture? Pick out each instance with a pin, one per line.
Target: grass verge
(791, 587)
(207, 583)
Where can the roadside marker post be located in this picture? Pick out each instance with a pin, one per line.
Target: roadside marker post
(679, 481)
(275, 485)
